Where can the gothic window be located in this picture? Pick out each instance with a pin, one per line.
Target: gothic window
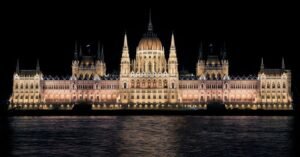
(149, 68)
(138, 84)
(268, 85)
(36, 86)
(202, 85)
(263, 86)
(21, 86)
(149, 84)
(17, 86)
(219, 76)
(273, 85)
(125, 85)
(159, 83)
(165, 84)
(132, 83)
(173, 85)
(154, 83)
(26, 86)
(226, 86)
(278, 85)
(283, 86)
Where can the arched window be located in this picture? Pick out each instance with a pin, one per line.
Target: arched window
(283, 86)
(138, 84)
(149, 83)
(154, 84)
(150, 67)
(207, 76)
(263, 86)
(268, 85)
(173, 85)
(132, 83)
(17, 86)
(278, 85)
(165, 84)
(213, 76)
(219, 76)
(273, 85)
(125, 85)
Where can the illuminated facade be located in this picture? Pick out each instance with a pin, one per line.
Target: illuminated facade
(150, 80)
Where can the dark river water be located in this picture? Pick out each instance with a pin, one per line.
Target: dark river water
(150, 136)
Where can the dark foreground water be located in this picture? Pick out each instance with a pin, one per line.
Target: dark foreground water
(150, 136)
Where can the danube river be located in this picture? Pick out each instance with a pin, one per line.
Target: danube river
(132, 136)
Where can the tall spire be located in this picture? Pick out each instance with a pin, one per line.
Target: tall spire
(80, 51)
(150, 27)
(75, 51)
(18, 66)
(262, 66)
(125, 52)
(102, 53)
(211, 48)
(200, 57)
(173, 41)
(125, 45)
(99, 51)
(224, 51)
(37, 65)
(282, 64)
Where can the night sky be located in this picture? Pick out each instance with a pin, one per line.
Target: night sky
(48, 32)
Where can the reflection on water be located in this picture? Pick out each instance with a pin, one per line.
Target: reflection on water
(150, 136)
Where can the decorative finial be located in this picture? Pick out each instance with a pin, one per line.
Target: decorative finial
(37, 65)
(125, 45)
(150, 27)
(200, 57)
(99, 51)
(172, 41)
(224, 51)
(75, 51)
(18, 66)
(282, 64)
(102, 53)
(262, 66)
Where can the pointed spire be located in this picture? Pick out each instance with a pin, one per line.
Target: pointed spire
(80, 51)
(99, 51)
(211, 49)
(125, 45)
(102, 53)
(172, 41)
(282, 64)
(18, 66)
(262, 66)
(150, 27)
(200, 57)
(224, 51)
(37, 65)
(75, 51)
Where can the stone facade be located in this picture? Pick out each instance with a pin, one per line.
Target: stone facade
(150, 80)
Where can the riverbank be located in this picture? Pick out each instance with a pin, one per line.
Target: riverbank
(149, 112)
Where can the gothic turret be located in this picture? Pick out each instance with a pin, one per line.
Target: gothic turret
(172, 62)
(125, 60)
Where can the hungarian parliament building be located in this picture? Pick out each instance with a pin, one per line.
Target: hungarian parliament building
(151, 80)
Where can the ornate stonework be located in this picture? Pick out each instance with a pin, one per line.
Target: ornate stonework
(150, 80)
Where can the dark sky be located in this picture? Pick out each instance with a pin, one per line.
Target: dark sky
(48, 31)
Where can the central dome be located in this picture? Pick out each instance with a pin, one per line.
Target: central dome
(150, 43)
